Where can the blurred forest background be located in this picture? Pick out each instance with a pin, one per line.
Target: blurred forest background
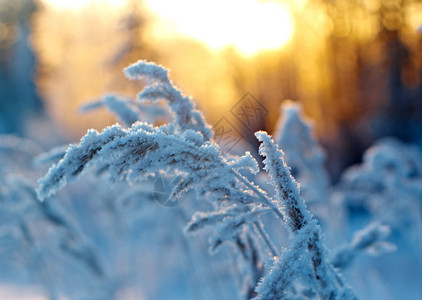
(355, 65)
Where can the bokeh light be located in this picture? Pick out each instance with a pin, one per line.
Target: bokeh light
(249, 26)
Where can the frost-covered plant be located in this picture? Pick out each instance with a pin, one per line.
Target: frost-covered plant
(302, 153)
(123, 222)
(306, 258)
(177, 148)
(184, 148)
(306, 158)
(387, 186)
(160, 87)
(371, 239)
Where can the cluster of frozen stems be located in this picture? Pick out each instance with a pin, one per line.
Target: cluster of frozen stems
(185, 148)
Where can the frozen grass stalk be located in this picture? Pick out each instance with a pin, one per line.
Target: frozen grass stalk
(305, 236)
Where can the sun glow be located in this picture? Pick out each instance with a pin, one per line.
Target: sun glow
(248, 25)
(79, 4)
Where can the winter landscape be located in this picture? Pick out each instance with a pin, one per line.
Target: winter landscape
(210, 150)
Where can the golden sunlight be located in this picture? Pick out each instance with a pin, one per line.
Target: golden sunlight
(247, 25)
(79, 4)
